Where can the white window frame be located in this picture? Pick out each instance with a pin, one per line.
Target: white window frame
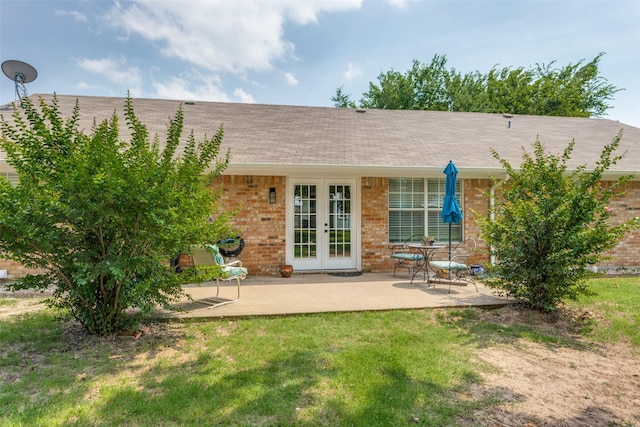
(428, 205)
(12, 177)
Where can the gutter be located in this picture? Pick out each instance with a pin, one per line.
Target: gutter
(492, 215)
(352, 170)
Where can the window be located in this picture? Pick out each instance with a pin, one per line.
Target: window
(406, 208)
(12, 177)
(408, 214)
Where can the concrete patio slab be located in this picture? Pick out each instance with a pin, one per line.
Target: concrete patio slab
(316, 293)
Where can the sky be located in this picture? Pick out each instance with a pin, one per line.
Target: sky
(298, 52)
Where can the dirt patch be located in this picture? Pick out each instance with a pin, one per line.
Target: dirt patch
(552, 385)
(16, 306)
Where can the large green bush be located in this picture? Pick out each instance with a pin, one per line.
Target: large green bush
(100, 217)
(549, 224)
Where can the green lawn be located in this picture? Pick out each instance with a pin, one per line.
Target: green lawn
(374, 368)
(616, 303)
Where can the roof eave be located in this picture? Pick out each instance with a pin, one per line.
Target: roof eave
(322, 170)
(318, 170)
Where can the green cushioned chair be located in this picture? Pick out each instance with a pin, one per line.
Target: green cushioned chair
(454, 270)
(210, 255)
(448, 265)
(404, 256)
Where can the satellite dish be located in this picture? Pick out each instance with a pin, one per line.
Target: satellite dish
(21, 73)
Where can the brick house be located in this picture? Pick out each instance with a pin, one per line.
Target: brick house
(329, 189)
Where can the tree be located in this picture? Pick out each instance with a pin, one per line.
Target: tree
(342, 100)
(550, 224)
(576, 90)
(99, 217)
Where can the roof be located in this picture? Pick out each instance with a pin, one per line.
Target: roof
(307, 141)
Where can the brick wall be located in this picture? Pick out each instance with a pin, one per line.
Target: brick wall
(475, 200)
(374, 223)
(260, 223)
(376, 250)
(15, 269)
(263, 224)
(627, 253)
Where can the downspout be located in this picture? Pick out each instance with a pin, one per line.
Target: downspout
(492, 203)
(492, 199)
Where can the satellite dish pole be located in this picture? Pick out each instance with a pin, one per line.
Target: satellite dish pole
(21, 73)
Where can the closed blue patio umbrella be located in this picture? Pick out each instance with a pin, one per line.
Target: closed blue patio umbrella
(451, 212)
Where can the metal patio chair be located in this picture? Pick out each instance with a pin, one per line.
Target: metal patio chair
(404, 256)
(452, 265)
(210, 256)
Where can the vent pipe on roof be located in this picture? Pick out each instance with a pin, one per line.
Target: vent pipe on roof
(360, 110)
(508, 116)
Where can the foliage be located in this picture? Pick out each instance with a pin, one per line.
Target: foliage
(576, 90)
(550, 224)
(99, 217)
(342, 100)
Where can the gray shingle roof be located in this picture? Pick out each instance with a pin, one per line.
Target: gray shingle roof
(272, 139)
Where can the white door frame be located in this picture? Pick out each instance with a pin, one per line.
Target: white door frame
(321, 262)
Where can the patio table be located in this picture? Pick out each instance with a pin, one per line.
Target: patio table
(426, 251)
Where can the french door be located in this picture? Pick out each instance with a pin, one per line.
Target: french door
(322, 224)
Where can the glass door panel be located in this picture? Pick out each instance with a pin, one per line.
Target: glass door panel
(339, 221)
(305, 219)
(339, 250)
(321, 225)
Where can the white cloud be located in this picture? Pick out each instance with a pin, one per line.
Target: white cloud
(92, 88)
(82, 85)
(196, 86)
(77, 16)
(352, 72)
(291, 79)
(233, 36)
(208, 88)
(116, 71)
(400, 4)
(305, 12)
(243, 96)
